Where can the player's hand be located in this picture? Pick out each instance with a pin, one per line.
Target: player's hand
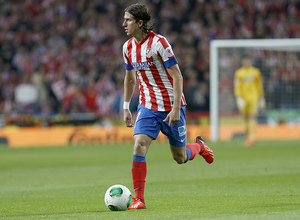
(173, 117)
(241, 103)
(128, 118)
(262, 103)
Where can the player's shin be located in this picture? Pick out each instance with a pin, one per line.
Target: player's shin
(252, 129)
(192, 150)
(139, 172)
(247, 127)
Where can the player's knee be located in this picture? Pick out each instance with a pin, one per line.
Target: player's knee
(140, 145)
(179, 158)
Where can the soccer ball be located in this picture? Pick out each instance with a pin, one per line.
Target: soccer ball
(117, 198)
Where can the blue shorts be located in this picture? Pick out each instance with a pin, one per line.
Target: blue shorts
(150, 122)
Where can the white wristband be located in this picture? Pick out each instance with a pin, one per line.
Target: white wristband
(126, 105)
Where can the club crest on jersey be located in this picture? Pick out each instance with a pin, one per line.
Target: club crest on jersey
(148, 52)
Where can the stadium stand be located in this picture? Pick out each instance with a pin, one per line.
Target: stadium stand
(64, 56)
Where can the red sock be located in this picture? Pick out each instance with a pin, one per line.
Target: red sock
(139, 172)
(195, 149)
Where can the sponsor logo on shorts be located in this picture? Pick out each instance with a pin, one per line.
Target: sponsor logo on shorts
(181, 131)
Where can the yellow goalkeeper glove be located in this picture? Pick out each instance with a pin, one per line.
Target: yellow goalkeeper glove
(241, 103)
(262, 103)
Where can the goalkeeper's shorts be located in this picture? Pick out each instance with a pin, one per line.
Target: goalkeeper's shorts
(250, 108)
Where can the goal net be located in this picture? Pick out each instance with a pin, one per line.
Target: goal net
(279, 63)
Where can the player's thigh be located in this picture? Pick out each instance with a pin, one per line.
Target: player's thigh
(146, 123)
(177, 132)
(141, 144)
(252, 108)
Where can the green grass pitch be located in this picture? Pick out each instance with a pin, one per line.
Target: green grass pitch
(260, 182)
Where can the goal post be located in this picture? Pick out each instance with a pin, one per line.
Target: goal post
(283, 45)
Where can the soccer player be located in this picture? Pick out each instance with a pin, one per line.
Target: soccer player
(249, 95)
(149, 59)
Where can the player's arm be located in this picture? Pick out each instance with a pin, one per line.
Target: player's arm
(237, 85)
(260, 89)
(175, 73)
(240, 102)
(129, 86)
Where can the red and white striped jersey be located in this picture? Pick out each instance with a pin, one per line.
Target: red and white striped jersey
(151, 59)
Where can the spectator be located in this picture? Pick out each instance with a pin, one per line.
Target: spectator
(71, 41)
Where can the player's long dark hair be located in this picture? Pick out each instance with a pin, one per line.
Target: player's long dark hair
(140, 12)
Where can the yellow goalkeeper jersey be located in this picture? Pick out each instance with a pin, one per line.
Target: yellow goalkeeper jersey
(248, 84)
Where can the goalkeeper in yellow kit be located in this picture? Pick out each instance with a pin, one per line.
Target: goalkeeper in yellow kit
(249, 95)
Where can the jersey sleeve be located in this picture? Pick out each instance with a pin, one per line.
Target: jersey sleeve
(237, 84)
(128, 65)
(166, 53)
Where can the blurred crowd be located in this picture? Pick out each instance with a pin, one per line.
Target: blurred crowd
(65, 56)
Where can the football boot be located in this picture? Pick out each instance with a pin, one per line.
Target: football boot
(207, 154)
